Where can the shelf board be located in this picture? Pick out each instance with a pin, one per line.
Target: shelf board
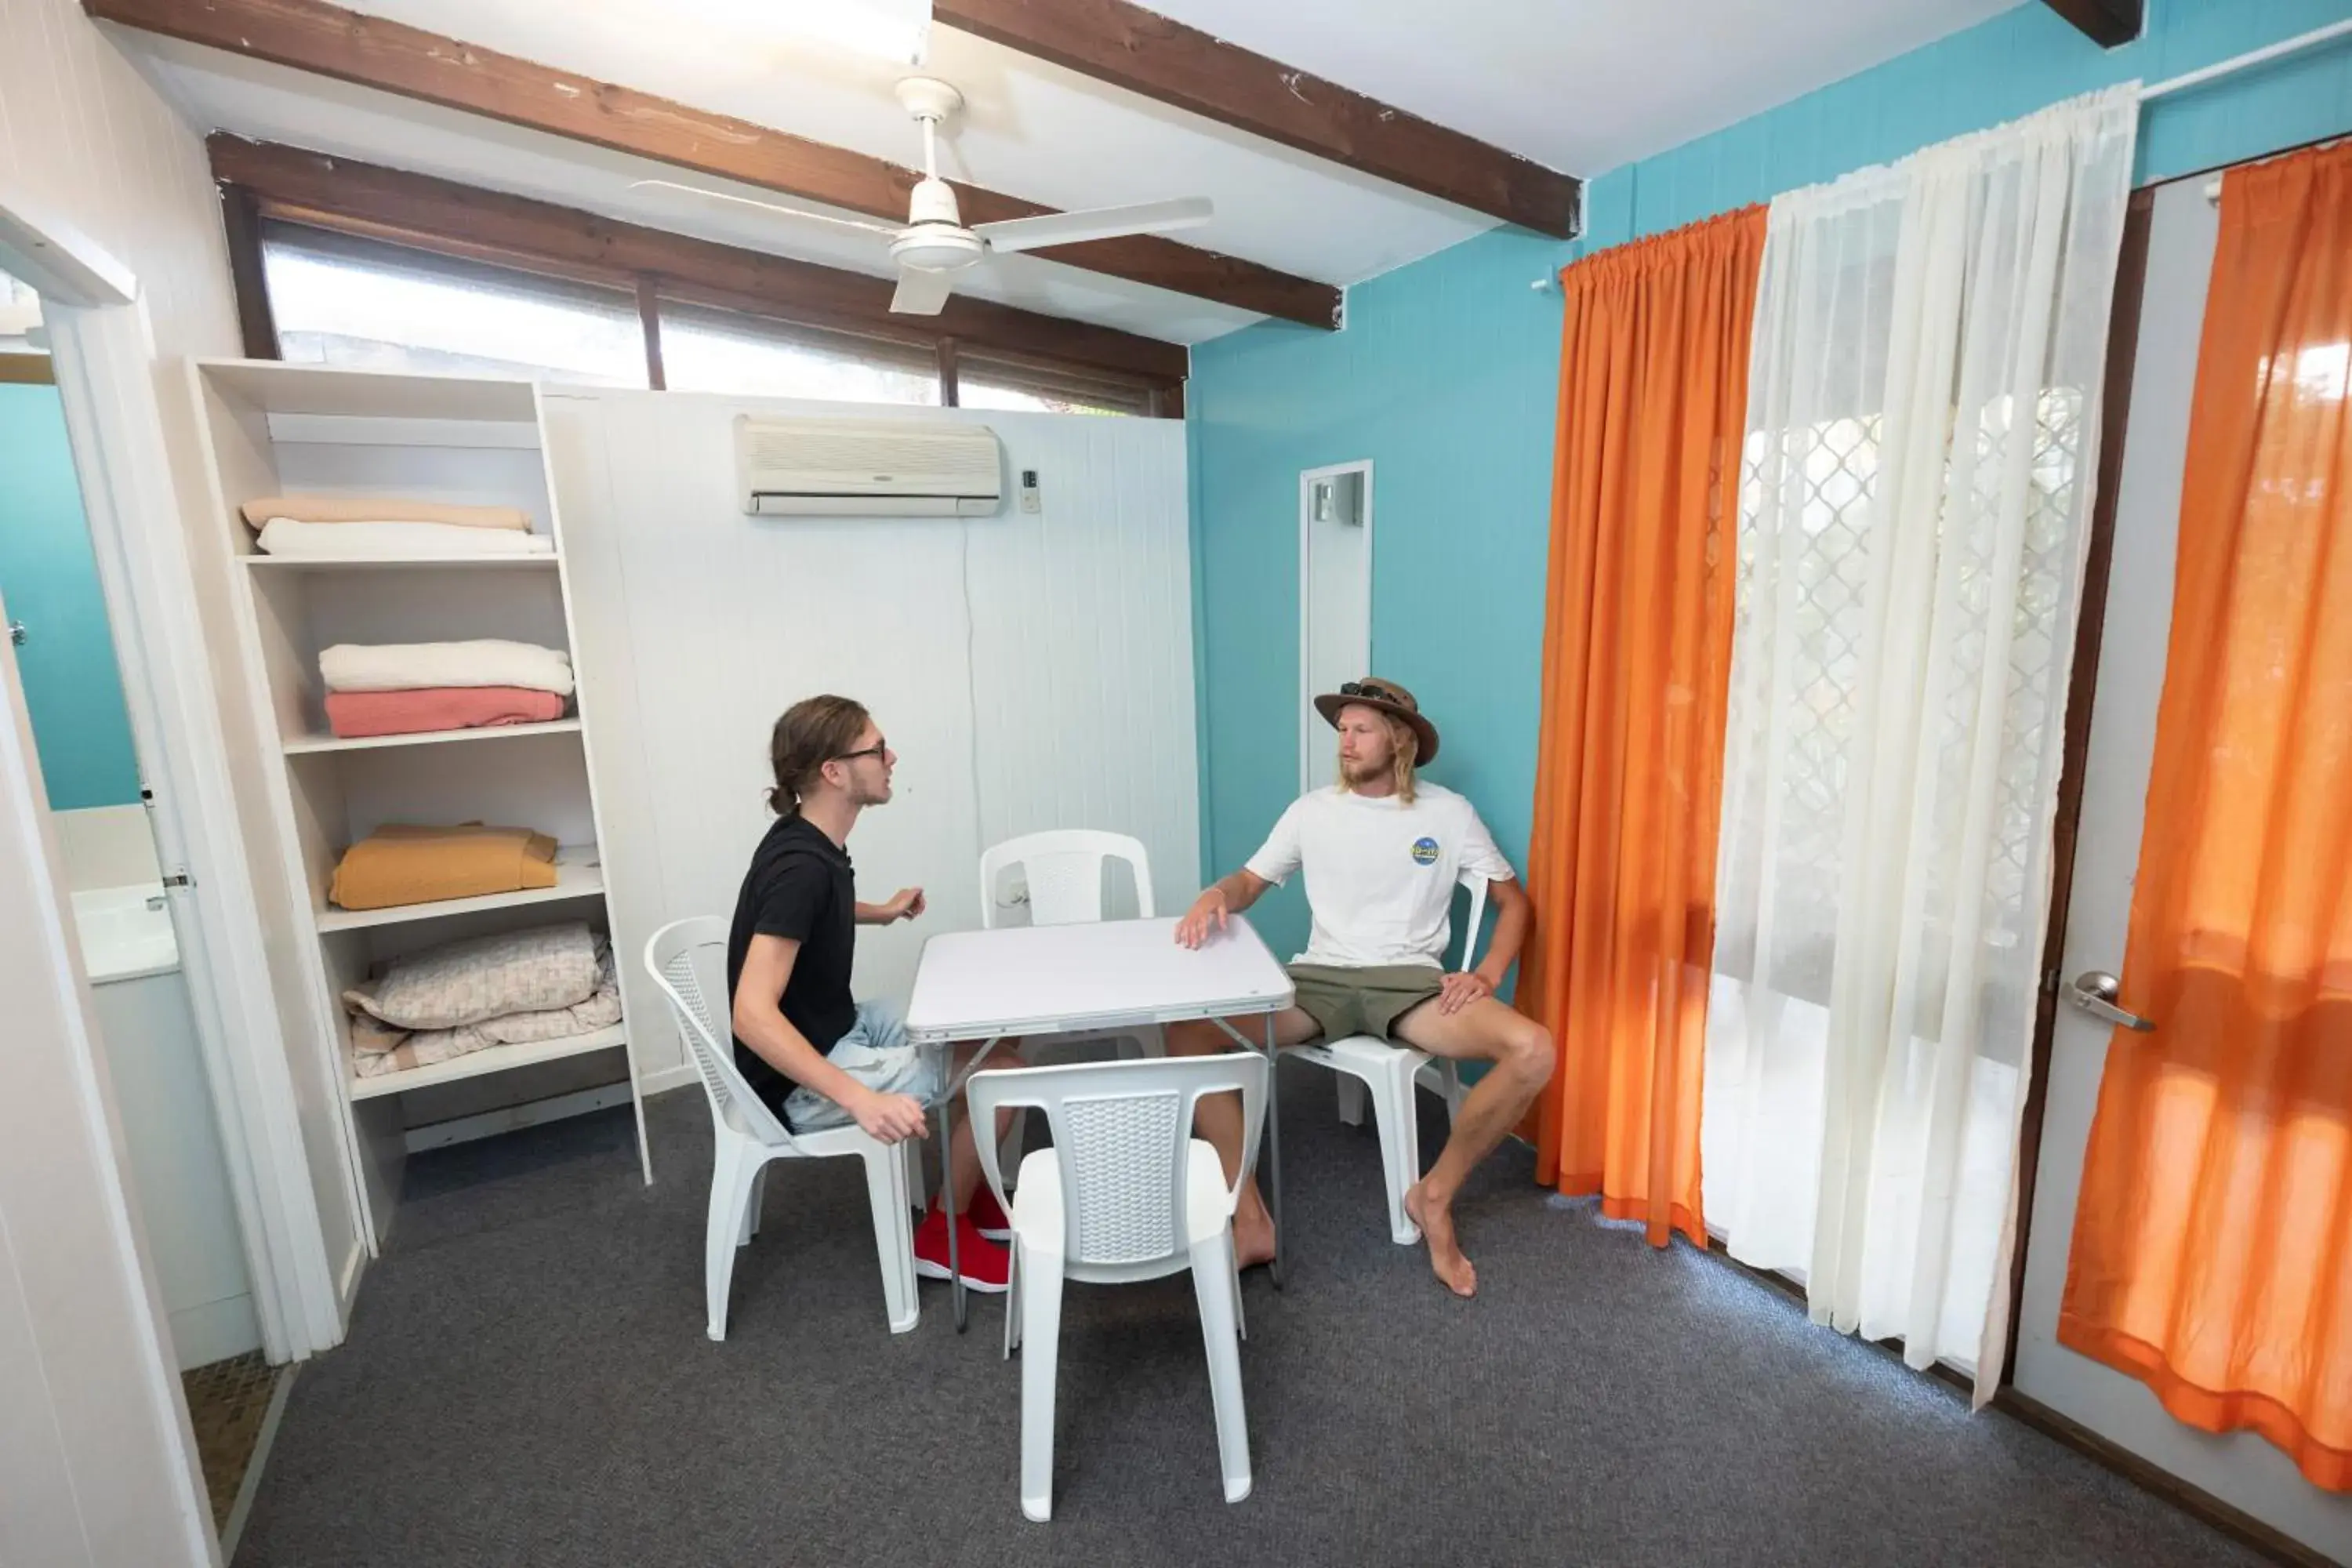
(303, 745)
(498, 1058)
(347, 563)
(286, 386)
(577, 876)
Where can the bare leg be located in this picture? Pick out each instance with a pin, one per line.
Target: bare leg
(1521, 1051)
(963, 1159)
(1218, 1118)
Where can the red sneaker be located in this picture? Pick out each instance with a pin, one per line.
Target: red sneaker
(986, 1266)
(988, 1215)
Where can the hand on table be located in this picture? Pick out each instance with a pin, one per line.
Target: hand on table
(1458, 991)
(905, 906)
(891, 1117)
(1205, 919)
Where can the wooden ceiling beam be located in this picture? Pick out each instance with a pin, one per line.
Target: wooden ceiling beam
(299, 186)
(1144, 52)
(2106, 22)
(327, 40)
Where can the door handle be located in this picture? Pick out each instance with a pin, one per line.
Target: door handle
(2094, 992)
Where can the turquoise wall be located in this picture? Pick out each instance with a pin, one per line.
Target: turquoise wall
(48, 580)
(1446, 376)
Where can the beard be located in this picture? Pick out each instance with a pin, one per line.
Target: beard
(1360, 772)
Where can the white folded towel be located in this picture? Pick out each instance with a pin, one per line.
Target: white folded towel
(284, 536)
(413, 666)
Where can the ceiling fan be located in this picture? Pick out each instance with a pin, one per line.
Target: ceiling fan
(934, 245)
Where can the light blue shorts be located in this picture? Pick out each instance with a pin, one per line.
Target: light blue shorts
(875, 1053)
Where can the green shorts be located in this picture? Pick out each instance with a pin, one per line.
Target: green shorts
(1344, 1001)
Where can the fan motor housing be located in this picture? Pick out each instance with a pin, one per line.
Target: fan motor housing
(936, 247)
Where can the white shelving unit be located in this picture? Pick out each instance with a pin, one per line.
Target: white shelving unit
(275, 429)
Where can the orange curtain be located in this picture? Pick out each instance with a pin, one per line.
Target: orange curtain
(1637, 651)
(2212, 1253)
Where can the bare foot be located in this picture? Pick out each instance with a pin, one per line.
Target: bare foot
(1445, 1259)
(1253, 1238)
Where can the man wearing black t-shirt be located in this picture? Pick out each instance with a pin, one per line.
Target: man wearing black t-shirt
(817, 1055)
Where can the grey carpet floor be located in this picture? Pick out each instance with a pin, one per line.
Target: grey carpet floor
(526, 1382)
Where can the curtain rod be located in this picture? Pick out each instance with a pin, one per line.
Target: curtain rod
(2246, 61)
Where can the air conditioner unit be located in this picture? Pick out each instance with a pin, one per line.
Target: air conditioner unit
(851, 468)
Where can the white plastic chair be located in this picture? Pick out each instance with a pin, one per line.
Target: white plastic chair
(1125, 1194)
(748, 1135)
(1386, 1073)
(1063, 873)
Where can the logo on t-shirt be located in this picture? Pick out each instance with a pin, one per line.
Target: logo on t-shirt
(1425, 851)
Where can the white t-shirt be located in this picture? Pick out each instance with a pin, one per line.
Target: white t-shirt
(1379, 875)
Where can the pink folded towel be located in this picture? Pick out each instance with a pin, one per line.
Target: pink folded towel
(354, 713)
(380, 508)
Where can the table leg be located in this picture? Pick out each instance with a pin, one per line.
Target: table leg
(1274, 1152)
(947, 1203)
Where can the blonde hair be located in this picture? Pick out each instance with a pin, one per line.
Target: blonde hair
(1404, 747)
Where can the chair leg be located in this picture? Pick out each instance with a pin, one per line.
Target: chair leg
(730, 1193)
(757, 1196)
(1352, 1098)
(894, 1237)
(1241, 1319)
(1212, 1268)
(1400, 1129)
(1041, 1344)
(1008, 1148)
(1013, 1299)
(917, 1188)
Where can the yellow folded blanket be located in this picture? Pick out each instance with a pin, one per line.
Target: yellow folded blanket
(401, 864)
(381, 509)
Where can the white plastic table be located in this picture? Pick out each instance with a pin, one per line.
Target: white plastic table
(989, 986)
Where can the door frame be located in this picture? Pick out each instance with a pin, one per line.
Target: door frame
(1307, 480)
(103, 355)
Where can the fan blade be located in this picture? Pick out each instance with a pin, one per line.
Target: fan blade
(921, 293)
(880, 229)
(1098, 223)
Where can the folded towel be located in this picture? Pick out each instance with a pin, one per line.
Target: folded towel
(381, 509)
(355, 713)
(371, 1058)
(461, 983)
(417, 666)
(399, 865)
(286, 536)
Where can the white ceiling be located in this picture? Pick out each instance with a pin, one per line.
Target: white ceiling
(1581, 84)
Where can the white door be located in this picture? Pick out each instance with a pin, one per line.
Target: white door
(1335, 603)
(2241, 1469)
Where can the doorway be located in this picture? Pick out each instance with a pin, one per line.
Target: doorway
(1335, 602)
(127, 924)
(2241, 1469)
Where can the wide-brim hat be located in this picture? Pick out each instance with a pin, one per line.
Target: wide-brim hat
(1388, 697)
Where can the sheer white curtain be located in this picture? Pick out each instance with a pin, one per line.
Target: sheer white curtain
(1921, 420)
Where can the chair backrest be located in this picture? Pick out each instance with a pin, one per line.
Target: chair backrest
(1064, 871)
(1123, 1133)
(671, 954)
(1475, 885)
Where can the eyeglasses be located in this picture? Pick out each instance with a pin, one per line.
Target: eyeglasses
(876, 749)
(1371, 688)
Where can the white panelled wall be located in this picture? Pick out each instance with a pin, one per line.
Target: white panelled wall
(1032, 670)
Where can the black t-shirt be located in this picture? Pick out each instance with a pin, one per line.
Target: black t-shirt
(801, 888)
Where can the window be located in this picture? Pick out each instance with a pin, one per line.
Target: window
(726, 351)
(985, 381)
(372, 306)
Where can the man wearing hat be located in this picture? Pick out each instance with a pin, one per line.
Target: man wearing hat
(1382, 853)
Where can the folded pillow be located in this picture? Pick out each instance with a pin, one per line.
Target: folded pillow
(484, 977)
(398, 864)
(381, 509)
(413, 666)
(373, 1057)
(332, 540)
(351, 714)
